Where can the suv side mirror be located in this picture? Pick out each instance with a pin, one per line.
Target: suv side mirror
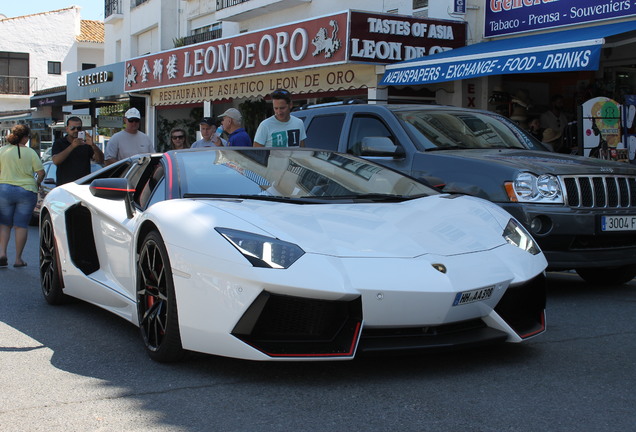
(381, 146)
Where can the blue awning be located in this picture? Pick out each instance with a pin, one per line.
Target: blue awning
(563, 51)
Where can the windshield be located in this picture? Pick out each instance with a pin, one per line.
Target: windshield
(450, 129)
(289, 174)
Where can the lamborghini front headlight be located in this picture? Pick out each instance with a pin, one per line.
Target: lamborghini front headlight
(263, 251)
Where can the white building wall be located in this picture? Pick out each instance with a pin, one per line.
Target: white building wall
(46, 37)
(150, 27)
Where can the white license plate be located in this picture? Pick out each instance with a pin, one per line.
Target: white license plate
(473, 296)
(618, 223)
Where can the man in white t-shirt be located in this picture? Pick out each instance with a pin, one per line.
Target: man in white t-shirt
(281, 129)
(128, 142)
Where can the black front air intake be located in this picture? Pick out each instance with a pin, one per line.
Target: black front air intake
(287, 326)
(523, 307)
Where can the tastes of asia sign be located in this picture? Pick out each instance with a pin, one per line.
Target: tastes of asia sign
(379, 38)
(300, 45)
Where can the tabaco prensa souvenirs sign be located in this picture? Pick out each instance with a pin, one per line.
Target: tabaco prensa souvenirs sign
(304, 44)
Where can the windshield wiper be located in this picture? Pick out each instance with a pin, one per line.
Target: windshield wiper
(375, 197)
(276, 198)
(455, 147)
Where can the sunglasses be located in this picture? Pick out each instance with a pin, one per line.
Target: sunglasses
(79, 128)
(133, 120)
(280, 93)
(178, 136)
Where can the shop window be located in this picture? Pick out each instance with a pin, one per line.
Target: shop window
(55, 68)
(419, 4)
(86, 66)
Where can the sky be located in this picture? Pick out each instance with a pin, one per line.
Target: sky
(91, 9)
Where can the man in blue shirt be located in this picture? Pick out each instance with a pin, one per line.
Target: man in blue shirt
(232, 122)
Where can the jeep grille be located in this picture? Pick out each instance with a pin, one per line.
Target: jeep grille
(600, 191)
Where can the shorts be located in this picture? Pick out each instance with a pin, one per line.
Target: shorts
(16, 205)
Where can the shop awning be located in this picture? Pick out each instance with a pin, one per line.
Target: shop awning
(563, 51)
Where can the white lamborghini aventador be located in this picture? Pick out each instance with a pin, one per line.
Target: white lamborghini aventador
(288, 254)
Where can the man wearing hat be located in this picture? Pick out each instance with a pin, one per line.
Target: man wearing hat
(207, 127)
(231, 121)
(128, 142)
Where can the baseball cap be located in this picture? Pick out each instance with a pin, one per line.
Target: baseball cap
(233, 113)
(208, 121)
(132, 113)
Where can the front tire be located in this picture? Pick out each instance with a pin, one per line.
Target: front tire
(50, 277)
(608, 276)
(156, 301)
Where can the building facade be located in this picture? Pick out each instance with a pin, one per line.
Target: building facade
(36, 53)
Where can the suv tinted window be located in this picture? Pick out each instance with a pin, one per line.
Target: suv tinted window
(324, 132)
(364, 127)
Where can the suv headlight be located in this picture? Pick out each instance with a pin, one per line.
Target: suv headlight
(262, 251)
(516, 235)
(528, 187)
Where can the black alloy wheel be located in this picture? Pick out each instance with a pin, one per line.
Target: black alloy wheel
(50, 277)
(156, 302)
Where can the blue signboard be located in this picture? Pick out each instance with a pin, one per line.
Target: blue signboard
(561, 51)
(505, 17)
(459, 6)
(457, 68)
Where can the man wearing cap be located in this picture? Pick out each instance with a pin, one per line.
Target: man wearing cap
(207, 127)
(128, 142)
(72, 154)
(231, 122)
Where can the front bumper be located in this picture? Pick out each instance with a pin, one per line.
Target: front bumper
(572, 238)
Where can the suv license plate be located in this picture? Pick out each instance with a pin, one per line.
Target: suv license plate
(618, 223)
(473, 296)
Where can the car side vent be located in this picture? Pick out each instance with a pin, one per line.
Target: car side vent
(600, 191)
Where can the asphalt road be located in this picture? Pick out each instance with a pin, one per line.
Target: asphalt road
(78, 368)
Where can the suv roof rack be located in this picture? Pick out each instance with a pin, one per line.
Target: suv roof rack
(336, 103)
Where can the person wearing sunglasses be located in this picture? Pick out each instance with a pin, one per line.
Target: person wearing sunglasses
(130, 141)
(281, 129)
(178, 139)
(73, 152)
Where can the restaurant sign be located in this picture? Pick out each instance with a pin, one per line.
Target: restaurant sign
(348, 36)
(315, 80)
(299, 45)
(380, 38)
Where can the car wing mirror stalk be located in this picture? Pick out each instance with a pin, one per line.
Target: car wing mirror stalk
(116, 189)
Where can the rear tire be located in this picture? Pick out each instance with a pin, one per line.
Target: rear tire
(608, 276)
(156, 302)
(50, 277)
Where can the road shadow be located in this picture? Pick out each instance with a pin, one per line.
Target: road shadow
(88, 341)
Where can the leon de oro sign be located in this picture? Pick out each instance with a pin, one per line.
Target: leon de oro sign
(343, 37)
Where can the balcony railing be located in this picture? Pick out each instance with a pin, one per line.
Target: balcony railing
(16, 85)
(222, 4)
(202, 37)
(112, 7)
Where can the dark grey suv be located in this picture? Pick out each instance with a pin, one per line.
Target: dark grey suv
(581, 211)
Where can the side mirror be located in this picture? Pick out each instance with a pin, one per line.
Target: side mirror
(381, 146)
(116, 189)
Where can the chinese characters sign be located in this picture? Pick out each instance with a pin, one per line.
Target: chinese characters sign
(300, 45)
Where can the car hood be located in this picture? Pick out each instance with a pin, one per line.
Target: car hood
(440, 224)
(538, 162)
